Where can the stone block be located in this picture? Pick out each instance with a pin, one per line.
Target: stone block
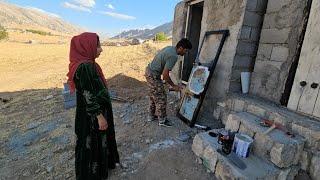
(232, 123)
(255, 34)
(252, 19)
(252, 5)
(305, 160)
(262, 145)
(239, 105)
(245, 32)
(315, 167)
(246, 48)
(282, 155)
(278, 118)
(198, 146)
(243, 61)
(235, 86)
(244, 130)
(264, 51)
(310, 131)
(289, 173)
(276, 5)
(262, 6)
(279, 36)
(256, 110)
(279, 53)
(211, 158)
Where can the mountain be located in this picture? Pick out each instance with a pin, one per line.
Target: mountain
(16, 17)
(146, 33)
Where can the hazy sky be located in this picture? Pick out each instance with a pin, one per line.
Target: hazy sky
(107, 16)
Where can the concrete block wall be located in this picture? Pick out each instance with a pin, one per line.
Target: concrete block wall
(282, 27)
(248, 40)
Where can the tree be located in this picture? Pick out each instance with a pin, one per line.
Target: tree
(161, 36)
(3, 33)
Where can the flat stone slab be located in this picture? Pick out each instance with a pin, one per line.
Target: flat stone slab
(281, 149)
(231, 166)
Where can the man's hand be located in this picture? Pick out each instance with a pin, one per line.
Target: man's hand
(103, 125)
(177, 88)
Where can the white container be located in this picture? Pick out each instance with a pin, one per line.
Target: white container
(241, 145)
(245, 81)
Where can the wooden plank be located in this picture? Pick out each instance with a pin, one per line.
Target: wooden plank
(316, 109)
(304, 98)
(311, 49)
(196, 2)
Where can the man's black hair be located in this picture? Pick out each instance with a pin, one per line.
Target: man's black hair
(184, 43)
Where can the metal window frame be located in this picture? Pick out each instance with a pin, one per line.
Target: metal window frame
(225, 33)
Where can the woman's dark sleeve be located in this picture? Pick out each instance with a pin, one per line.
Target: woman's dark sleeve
(95, 93)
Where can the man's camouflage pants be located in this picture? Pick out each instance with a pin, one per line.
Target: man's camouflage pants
(157, 95)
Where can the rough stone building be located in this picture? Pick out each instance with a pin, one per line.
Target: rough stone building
(279, 42)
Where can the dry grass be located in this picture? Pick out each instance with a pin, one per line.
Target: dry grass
(40, 66)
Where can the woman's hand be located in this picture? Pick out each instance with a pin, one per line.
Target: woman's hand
(103, 124)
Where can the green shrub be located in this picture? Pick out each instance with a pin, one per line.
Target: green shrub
(39, 32)
(161, 36)
(3, 33)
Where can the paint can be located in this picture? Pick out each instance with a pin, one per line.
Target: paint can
(241, 145)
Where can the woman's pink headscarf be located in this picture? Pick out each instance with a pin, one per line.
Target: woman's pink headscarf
(83, 49)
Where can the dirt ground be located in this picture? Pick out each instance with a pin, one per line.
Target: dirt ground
(37, 134)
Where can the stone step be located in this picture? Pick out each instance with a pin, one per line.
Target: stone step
(227, 167)
(282, 150)
(305, 126)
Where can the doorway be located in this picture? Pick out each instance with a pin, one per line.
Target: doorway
(193, 34)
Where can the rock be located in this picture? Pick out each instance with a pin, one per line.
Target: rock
(122, 115)
(32, 125)
(28, 143)
(125, 165)
(37, 171)
(48, 97)
(26, 173)
(176, 171)
(199, 160)
(68, 126)
(183, 137)
(49, 169)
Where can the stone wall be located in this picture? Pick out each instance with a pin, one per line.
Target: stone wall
(219, 14)
(278, 46)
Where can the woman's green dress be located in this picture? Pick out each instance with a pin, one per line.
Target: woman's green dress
(96, 151)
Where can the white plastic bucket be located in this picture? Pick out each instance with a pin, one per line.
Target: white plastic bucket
(245, 81)
(241, 145)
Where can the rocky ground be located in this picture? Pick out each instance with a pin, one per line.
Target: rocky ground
(37, 138)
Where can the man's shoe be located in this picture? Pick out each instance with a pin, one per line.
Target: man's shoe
(152, 118)
(165, 123)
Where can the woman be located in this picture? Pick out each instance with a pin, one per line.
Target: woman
(96, 149)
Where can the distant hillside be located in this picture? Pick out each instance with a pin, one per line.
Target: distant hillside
(12, 16)
(146, 33)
